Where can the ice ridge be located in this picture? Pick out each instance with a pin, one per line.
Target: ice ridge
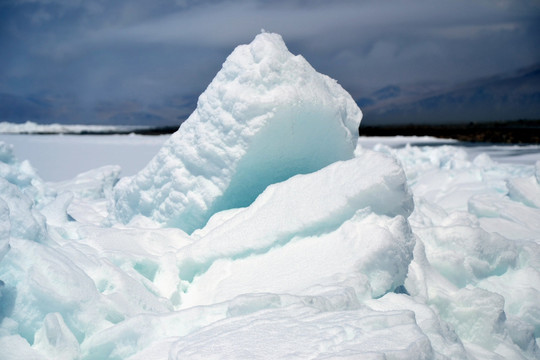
(266, 116)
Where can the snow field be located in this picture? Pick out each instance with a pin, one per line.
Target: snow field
(407, 253)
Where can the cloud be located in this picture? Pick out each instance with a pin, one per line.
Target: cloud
(147, 50)
(226, 22)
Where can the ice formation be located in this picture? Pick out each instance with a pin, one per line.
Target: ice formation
(397, 253)
(266, 116)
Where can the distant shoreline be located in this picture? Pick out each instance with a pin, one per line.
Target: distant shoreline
(508, 132)
(512, 132)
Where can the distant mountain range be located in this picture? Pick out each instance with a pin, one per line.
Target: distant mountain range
(47, 108)
(512, 96)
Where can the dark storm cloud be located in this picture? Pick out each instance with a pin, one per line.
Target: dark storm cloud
(146, 50)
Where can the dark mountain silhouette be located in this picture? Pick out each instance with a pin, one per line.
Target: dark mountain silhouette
(505, 97)
(512, 96)
(47, 108)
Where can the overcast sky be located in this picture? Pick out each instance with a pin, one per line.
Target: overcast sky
(100, 50)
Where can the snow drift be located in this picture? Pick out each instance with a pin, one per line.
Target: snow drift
(266, 116)
(410, 253)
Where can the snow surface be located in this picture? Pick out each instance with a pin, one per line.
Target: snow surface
(58, 157)
(400, 252)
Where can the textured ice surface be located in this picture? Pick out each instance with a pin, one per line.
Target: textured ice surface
(477, 260)
(266, 116)
(320, 265)
(399, 253)
(328, 217)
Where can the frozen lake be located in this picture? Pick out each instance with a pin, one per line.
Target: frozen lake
(61, 157)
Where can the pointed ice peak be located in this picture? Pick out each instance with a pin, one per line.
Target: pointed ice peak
(268, 45)
(266, 116)
(260, 61)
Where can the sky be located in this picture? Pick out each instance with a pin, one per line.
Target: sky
(99, 54)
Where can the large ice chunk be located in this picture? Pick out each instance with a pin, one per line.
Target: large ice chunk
(303, 206)
(20, 173)
(266, 116)
(304, 333)
(20, 190)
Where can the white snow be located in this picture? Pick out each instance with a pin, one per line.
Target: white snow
(391, 252)
(58, 157)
